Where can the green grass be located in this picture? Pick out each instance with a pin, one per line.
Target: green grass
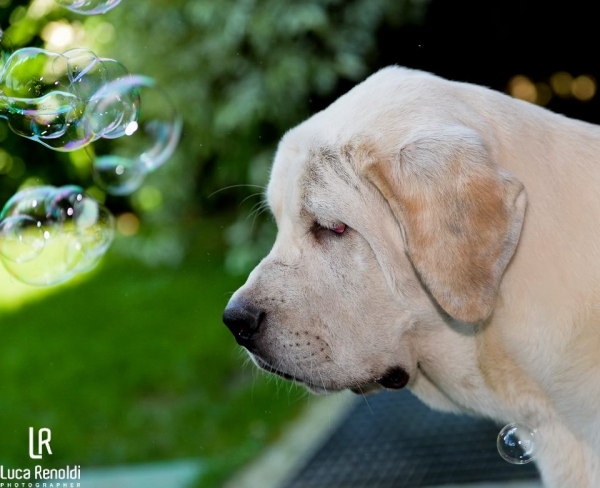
(134, 365)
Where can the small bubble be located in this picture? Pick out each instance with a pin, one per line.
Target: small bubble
(117, 175)
(518, 443)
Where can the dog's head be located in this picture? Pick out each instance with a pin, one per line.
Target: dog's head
(392, 216)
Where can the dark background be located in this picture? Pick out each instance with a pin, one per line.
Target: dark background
(489, 42)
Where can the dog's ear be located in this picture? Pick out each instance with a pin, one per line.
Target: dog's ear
(461, 216)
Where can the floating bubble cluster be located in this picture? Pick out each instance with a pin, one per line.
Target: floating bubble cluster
(518, 443)
(89, 7)
(43, 95)
(49, 234)
(67, 101)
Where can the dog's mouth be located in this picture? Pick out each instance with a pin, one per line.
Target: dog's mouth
(270, 369)
(286, 376)
(321, 389)
(394, 378)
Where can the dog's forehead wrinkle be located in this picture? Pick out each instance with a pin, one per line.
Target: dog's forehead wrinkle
(324, 162)
(330, 201)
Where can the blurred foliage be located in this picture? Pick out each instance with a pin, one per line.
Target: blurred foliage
(241, 72)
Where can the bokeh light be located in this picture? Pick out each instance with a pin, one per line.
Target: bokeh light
(521, 87)
(128, 224)
(58, 35)
(583, 88)
(561, 83)
(543, 94)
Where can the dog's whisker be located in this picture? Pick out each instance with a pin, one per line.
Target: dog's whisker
(258, 193)
(322, 382)
(255, 209)
(367, 401)
(261, 209)
(236, 186)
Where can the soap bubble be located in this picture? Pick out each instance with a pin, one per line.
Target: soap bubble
(87, 73)
(21, 238)
(147, 127)
(47, 117)
(114, 110)
(49, 234)
(31, 202)
(518, 443)
(117, 175)
(37, 99)
(89, 7)
(32, 72)
(144, 118)
(94, 226)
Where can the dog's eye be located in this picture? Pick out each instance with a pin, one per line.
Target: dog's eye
(338, 229)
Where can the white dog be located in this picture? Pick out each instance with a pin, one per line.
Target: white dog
(446, 237)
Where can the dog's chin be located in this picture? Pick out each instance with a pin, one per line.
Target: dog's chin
(394, 379)
(366, 389)
(309, 385)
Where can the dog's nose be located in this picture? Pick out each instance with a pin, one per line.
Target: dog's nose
(243, 321)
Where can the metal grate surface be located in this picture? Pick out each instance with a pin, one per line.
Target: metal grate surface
(396, 441)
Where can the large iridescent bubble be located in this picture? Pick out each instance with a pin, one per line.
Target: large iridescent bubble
(49, 234)
(89, 7)
(146, 126)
